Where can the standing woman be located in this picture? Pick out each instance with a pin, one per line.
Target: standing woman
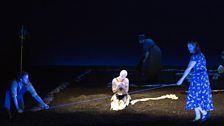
(199, 95)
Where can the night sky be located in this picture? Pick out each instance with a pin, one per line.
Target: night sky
(93, 32)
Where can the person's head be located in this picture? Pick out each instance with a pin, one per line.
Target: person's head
(123, 74)
(24, 77)
(193, 47)
(222, 55)
(141, 38)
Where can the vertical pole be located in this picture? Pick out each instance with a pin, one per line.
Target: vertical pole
(21, 50)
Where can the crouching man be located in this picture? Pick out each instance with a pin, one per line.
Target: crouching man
(15, 93)
(120, 88)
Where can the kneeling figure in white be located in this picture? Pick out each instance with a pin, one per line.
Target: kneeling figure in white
(120, 88)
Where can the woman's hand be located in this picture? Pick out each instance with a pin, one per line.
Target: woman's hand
(179, 82)
(46, 106)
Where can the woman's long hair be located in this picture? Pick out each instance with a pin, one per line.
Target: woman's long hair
(197, 46)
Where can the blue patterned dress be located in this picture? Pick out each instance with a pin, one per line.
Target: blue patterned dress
(199, 93)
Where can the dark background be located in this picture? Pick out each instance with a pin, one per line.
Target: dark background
(104, 33)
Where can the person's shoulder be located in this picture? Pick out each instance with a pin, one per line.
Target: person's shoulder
(149, 39)
(30, 86)
(114, 79)
(14, 83)
(197, 55)
(126, 79)
(149, 42)
(193, 57)
(200, 54)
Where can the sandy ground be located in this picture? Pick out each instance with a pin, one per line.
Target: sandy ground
(86, 103)
(83, 106)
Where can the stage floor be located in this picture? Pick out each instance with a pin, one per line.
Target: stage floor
(85, 100)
